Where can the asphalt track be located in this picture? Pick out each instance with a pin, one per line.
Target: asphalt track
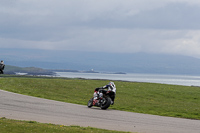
(21, 107)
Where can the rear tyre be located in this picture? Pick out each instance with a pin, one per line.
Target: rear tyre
(107, 103)
(90, 103)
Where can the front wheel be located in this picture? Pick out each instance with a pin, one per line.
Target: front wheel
(90, 103)
(106, 103)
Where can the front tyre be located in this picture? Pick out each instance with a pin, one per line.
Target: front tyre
(90, 103)
(106, 103)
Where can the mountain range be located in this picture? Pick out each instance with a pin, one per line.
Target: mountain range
(103, 62)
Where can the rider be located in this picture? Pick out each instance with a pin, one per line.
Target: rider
(110, 87)
(2, 65)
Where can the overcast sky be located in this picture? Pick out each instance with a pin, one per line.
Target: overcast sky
(122, 26)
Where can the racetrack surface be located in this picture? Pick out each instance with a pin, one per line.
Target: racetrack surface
(21, 107)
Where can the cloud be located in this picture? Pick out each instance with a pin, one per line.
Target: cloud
(167, 26)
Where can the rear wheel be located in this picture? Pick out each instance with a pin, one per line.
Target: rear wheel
(106, 103)
(90, 103)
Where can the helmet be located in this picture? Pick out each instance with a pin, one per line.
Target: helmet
(112, 84)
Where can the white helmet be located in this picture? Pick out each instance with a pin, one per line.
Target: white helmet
(112, 84)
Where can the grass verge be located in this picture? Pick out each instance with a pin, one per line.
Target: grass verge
(16, 126)
(149, 98)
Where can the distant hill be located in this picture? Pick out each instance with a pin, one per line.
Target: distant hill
(27, 70)
(104, 62)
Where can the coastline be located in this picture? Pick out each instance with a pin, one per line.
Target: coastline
(132, 77)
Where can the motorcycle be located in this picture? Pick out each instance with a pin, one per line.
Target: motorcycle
(101, 99)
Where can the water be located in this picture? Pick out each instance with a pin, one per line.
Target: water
(151, 78)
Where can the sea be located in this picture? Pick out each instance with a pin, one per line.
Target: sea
(185, 80)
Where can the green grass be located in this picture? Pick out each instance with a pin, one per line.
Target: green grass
(16, 126)
(149, 98)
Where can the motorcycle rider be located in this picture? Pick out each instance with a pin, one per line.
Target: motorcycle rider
(110, 87)
(2, 65)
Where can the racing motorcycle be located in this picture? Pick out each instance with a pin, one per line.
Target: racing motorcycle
(101, 99)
